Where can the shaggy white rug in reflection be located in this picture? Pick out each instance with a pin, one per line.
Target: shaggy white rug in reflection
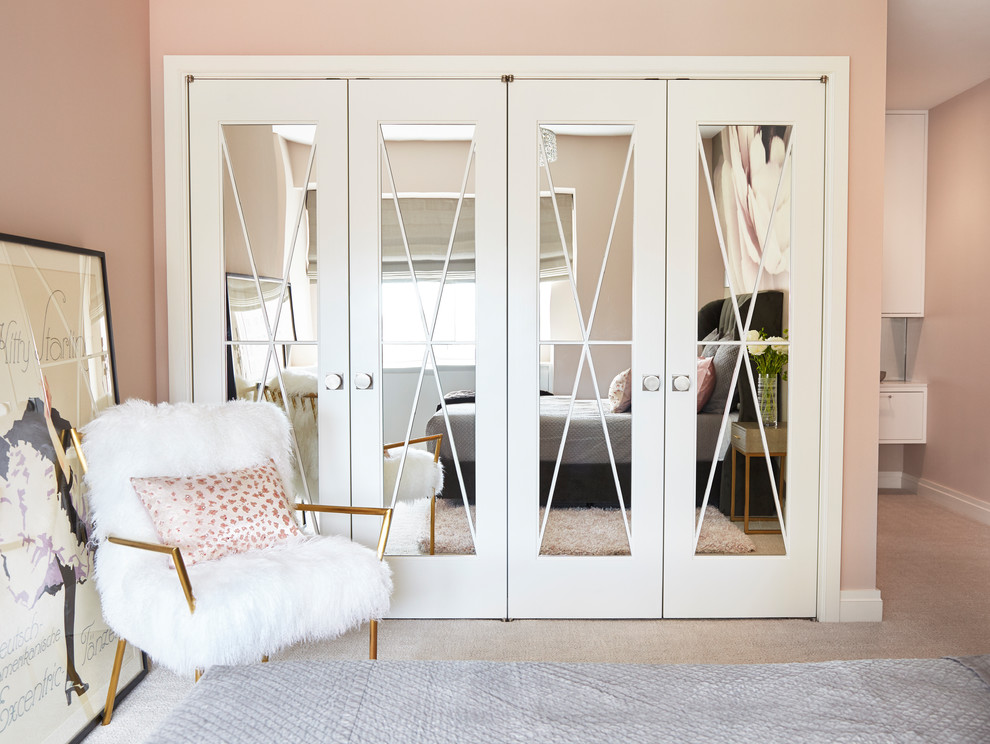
(569, 531)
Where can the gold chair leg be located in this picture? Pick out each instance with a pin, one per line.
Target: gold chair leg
(373, 643)
(114, 677)
(199, 673)
(264, 659)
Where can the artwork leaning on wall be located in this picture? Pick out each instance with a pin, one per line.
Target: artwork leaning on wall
(56, 374)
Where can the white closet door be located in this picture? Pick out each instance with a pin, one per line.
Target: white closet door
(745, 214)
(268, 166)
(586, 289)
(428, 310)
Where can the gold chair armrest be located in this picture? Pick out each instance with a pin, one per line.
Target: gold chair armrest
(76, 438)
(438, 438)
(180, 566)
(372, 511)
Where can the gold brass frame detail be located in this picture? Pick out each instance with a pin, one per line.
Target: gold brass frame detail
(175, 553)
(386, 514)
(438, 438)
(180, 570)
(299, 402)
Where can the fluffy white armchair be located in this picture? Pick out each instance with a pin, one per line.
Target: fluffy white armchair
(243, 606)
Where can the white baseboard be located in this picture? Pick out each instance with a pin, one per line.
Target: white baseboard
(955, 501)
(890, 479)
(860, 606)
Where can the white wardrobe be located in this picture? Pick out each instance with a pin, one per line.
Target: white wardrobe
(540, 272)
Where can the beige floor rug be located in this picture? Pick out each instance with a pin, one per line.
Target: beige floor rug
(569, 531)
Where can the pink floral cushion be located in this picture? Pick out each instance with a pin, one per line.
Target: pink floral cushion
(620, 392)
(706, 380)
(209, 516)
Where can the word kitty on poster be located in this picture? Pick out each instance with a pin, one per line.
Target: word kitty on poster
(56, 374)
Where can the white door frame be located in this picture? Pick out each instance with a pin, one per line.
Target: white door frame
(180, 71)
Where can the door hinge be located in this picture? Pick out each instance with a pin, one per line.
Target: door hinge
(508, 78)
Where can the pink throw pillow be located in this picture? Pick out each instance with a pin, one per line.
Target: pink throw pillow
(620, 392)
(706, 380)
(210, 516)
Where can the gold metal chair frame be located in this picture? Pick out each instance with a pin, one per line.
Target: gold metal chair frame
(296, 402)
(183, 575)
(438, 438)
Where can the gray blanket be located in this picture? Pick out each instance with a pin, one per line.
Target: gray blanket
(879, 700)
(585, 437)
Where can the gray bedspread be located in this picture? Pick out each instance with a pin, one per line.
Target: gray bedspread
(879, 700)
(585, 438)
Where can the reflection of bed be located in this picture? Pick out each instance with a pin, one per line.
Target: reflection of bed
(585, 476)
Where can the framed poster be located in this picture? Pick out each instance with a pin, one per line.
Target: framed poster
(56, 374)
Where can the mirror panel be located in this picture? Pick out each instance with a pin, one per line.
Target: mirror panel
(585, 277)
(743, 295)
(269, 238)
(428, 352)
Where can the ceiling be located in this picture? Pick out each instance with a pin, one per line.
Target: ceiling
(936, 49)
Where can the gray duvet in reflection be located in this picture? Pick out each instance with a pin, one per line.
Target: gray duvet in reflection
(585, 440)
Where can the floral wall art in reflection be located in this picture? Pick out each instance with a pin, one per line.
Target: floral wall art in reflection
(752, 184)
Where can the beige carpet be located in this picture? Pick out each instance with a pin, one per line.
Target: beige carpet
(933, 570)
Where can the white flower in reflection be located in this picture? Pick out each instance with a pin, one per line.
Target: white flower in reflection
(778, 344)
(755, 349)
(749, 166)
(770, 354)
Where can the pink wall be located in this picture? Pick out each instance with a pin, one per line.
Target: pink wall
(581, 27)
(75, 152)
(957, 268)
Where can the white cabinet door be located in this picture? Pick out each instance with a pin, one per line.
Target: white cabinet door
(903, 413)
(586, 303)
(427, 269)
(268, 264)
(746, 215)
(904, 210)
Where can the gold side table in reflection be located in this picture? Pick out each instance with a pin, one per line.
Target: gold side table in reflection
(746, 441)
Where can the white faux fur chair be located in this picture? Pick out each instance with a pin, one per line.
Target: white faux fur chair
(422, 475)
(238, 608)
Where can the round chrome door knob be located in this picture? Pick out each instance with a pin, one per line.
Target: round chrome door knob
(651, 383)
(682, 383)
(334, 381)
(362, 381)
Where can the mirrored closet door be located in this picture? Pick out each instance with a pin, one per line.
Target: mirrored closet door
(586, 241)
(348, 265)
(571, 330)
(745, 238)
(268, 226)
(427, 263)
